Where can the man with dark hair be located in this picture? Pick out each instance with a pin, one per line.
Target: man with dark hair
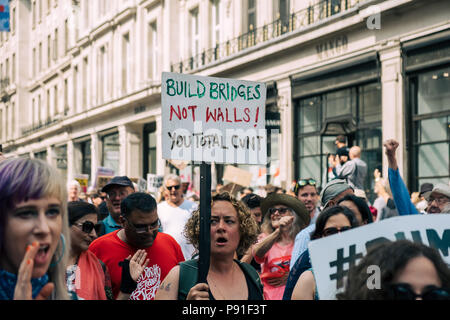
(253, 202)
(140, 221)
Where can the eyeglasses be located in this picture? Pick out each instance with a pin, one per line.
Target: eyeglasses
(88, 226)
(281, 211)
(404, 291)
(173, 187)
(112, 195)
(439, 201)
(303, 182)
(144, 228)
(329, 231)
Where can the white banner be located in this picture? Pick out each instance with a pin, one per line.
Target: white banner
(332, 256)
(213, 119)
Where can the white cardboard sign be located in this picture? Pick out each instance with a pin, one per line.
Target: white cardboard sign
(213, 119)
(332, 256)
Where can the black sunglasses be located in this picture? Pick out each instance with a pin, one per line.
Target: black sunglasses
(87, 226)
(404, 291)
(329, 231)
(280, 210)
(171, 187)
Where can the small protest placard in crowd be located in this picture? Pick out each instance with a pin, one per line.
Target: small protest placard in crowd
(154, 182)
(332, 256)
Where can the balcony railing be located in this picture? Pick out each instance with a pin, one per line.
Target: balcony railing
(273, 30)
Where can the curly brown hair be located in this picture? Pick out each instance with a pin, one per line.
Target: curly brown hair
(248, 228)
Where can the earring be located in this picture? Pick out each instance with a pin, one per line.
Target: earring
(63, 243)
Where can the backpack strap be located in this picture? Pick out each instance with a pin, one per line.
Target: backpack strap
(189, 275)
(253, 274)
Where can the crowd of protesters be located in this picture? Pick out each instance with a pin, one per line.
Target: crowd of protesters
(119, 243)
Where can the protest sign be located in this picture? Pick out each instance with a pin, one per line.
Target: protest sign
(102, 181)
(332, 256)
(154, 182)
(213, 119)
(100, 175)
(237, 176)
(82, 180)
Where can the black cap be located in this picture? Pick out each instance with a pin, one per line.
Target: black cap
(122, 181)
(425, 187)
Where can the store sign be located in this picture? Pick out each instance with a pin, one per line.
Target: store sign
(332, 47)
(213, 119)
(332, 256)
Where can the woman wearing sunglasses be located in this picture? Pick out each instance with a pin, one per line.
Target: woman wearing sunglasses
(408, 271)
(87, 277)
(284, 217)
(331, 221)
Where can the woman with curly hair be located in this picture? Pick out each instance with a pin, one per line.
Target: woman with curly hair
(233, 230)
(408, 271)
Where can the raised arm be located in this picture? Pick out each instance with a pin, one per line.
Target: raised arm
(399, 191)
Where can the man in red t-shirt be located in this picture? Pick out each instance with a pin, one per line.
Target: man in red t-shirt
(140, 221)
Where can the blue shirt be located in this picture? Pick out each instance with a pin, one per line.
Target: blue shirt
(110, 224)
(400, 194)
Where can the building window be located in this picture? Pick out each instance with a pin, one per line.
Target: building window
(149, 143)
(48, 113)
(430, 126)
(251, 15)
(101, 75)
(55, 101)
(215, 22)
(66, 36)
(13, 68)
(194, 43)
(34, 66)
(61, 160)
(34, 12)
(55, 46)
(86, 157)
(41, 155)
(111, 149)
(49, 57)
(125, 62)
(153, 51)
(85, 84)
(75, 89)
(66, 96)
(40, 57)
(354, 112)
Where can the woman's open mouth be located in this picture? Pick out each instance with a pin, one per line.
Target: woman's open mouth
(221, 241)
(42, 255)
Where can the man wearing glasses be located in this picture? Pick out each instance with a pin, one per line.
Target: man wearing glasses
(175, 212)
(140, 231)
(117, 189)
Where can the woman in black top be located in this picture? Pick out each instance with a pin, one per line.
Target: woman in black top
(232, 230)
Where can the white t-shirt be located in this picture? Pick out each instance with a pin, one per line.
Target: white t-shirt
(173, 220)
